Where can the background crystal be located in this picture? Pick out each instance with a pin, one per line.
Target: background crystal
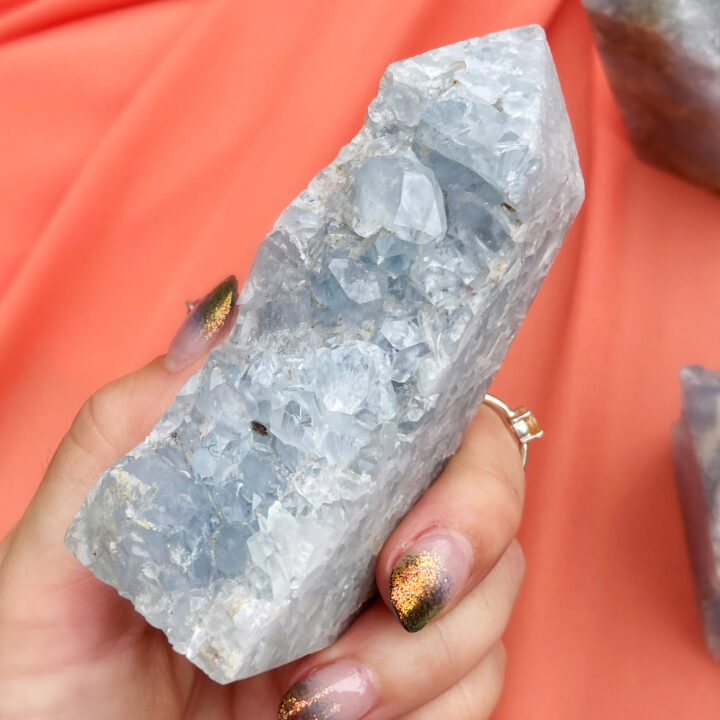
(697, 462)
(662, 58)
(376, 313)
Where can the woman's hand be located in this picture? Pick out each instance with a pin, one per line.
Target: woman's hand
(71, 648)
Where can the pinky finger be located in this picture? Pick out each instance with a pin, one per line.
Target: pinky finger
(474, 697)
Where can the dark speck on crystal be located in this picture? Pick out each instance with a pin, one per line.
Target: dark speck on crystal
(259, 428)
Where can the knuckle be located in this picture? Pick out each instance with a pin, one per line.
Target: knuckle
(510, 505)
(504, 510)
(445, 651)
(467, 702)
(511, 477)
(90, 428)
(499, 661)
(495, 678)
(479, 692)
(515, 564)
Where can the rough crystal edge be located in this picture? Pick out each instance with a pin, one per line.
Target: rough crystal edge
(575, 196)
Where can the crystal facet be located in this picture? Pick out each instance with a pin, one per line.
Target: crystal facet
(697, 468)
(376, 313)
(662, 58)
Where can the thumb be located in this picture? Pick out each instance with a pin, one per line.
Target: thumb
(111, 422)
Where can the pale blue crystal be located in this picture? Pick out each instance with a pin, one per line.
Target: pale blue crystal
(360, 283)
(376, 313)
(397, 193)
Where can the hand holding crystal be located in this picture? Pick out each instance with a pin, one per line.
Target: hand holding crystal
(71, 647)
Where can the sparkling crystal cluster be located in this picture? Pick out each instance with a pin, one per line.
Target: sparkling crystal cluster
(378, 309)
(697, 463)
(662, 58)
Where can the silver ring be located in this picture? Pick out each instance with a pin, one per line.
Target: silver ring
(521, 422)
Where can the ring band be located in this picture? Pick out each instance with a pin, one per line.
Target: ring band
(521, 422)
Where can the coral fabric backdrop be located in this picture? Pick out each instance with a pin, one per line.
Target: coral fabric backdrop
(148, 146)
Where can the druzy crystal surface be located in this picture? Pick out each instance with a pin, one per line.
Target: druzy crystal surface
(662, 58)
(378, 309)
(697, 463)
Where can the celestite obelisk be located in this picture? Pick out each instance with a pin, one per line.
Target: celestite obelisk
(696, 440)
(662, 58)
(377, 311)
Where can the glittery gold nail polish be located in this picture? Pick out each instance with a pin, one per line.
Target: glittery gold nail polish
(302, 702)
(209, 322)
(215, 309)
(344, 690)
(425, 579)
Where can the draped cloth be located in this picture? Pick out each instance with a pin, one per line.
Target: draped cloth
(147, 147)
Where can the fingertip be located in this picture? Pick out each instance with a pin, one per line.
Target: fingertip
(208, 323)
(428, 575)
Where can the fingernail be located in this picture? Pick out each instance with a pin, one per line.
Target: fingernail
(209, 321)
(426, 578)
(344, 690)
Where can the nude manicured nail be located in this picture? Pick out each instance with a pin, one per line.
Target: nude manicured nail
(209, 321)
(344, 690)
(426, 578)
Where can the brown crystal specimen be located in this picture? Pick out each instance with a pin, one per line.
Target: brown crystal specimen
(667, 93)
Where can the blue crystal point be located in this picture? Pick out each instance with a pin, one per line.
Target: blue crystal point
(375, 315)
